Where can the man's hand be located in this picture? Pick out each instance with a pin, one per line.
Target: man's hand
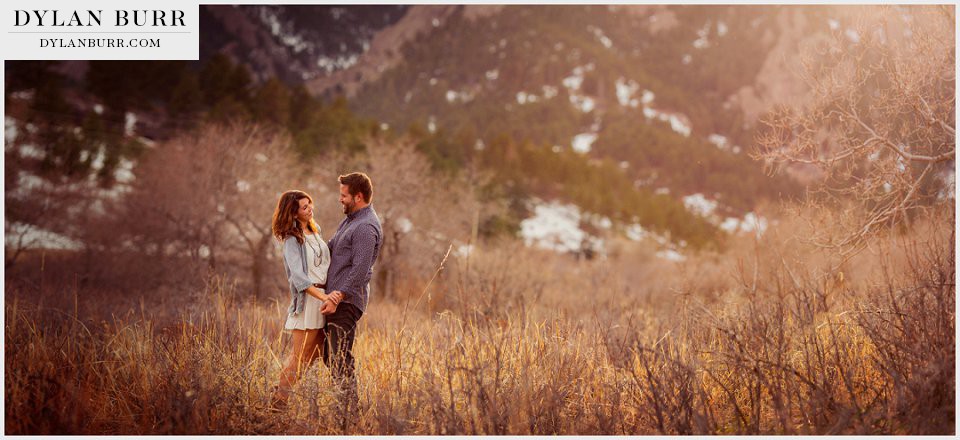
(336, 296)
(330, 304)
(328, 307)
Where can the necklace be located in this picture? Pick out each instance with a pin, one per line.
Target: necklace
(317, 252)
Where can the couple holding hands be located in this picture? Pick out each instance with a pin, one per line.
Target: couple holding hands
(329, 284)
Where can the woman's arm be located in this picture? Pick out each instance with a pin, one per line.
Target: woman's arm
(294, 262)
(300, 280)
(317, 293)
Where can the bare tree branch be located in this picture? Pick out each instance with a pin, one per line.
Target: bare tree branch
(879, 124)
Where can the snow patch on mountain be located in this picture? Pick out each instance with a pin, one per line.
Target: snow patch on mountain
(524, 98)
(722, 28)
(678, 121)
(668, 251)
(21, 234)
(700, 204)
(9, 129)
(554, 226)
(573, 83)
(340, 62)
(583, 103)
(600, 36)
(129, 123)
(462, 96)
(750, 223)
(29, 151)
(583, 142)
(635, 232)
(549, 92)
(283, 33)
(720, 141)
(625, 91)
(124, 171)
(671, 255)
(702, 42)
(723, 143)
(647, 97)
(559, 227)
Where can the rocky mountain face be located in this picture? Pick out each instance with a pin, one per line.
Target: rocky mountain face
(602, 115)
(294, 42)
(338, 49)
(385, 48)
(669, 95)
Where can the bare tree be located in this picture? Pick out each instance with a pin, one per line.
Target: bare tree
(207, 199)
(44, 208)
(422, 212)
(880, 123)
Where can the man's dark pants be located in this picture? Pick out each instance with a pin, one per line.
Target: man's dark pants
(340, 331)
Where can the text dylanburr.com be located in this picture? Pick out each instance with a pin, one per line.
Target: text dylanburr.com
(102, 30)
(132, 43)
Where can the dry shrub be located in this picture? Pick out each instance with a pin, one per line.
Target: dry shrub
(910, 324)
(203, 373)
(494, 281)
(802, 349)
(502, 343)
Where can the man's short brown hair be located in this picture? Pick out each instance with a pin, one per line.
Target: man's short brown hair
(358, 183)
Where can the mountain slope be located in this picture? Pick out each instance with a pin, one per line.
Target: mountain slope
(639, 114)
(293, 42)
(611, 85)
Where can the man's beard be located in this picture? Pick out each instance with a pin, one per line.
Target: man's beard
(347, 209)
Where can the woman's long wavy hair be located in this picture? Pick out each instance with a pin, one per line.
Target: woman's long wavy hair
(285, 222)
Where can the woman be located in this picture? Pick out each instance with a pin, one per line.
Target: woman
(306, 258)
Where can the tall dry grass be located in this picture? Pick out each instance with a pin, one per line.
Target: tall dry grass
(769, 337)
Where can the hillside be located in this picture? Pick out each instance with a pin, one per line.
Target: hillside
(636, 118)
(651, 91)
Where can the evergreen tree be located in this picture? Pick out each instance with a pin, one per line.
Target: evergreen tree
(186, 102)
(271, 103)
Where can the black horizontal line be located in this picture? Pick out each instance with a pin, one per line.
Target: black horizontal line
(95, 32)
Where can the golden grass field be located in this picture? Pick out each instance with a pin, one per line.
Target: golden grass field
(762, 338)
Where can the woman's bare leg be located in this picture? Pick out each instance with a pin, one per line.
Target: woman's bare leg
(305, 347)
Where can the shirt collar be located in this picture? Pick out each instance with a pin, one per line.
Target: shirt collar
(358, 212)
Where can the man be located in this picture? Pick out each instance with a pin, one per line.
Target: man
(353, 250)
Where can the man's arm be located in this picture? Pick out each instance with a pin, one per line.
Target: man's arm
(364, 245)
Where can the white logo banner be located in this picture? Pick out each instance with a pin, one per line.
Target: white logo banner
(101, 30)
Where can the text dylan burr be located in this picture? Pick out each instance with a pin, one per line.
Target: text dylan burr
(140, 17)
